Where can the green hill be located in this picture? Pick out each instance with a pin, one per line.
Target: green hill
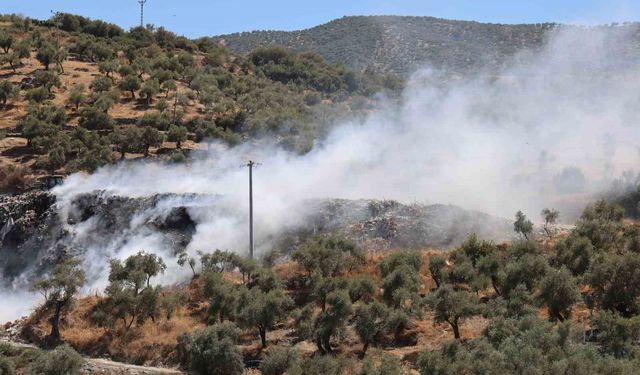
(400, 44)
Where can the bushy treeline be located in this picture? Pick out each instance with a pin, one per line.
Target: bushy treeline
(522, 298)
(526, 293)
(181, 89)
(593, 268)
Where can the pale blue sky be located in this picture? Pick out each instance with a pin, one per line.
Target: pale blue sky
(200, 17)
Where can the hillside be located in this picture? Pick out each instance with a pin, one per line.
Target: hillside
(542, 303)
(400, 44)
(77, 93)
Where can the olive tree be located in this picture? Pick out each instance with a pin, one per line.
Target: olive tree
(262, 310)
(522, 225)
(558, 292)
(130, 297)
(550, 217)
(150, 89)
(370, 323)
(59, 290)
(130, 83)
(150, 137)
(6, 41)
(126, 140)
(452, 306)
(8, 92)
(77, 96)
(177, 134)
(332, 322)
(46, 54)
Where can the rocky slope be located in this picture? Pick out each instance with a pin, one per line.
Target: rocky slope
(38, 230)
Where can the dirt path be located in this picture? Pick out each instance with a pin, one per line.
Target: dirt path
(107, 367)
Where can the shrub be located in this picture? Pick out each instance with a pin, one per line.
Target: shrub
(320, 365)
(213, 351)
(279, 360)
(388, 366)
(6, 366)
(94, 118)
(62, 361)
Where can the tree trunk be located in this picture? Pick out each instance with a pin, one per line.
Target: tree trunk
(133, 94)
(319, 345)
(263, 337)
(133, 317)
(327, 344)
(54, 336)
(494, 283)
(456, 329)
(365, 347)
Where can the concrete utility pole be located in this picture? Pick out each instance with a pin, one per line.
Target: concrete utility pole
(251, 164)
(142, 2)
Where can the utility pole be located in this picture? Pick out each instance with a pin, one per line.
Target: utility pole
(142, 2)
(251, 164)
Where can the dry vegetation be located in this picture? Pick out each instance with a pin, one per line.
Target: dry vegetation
(154, 343)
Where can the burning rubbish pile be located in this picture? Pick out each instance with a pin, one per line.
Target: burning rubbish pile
(380, 224)
(39, 229)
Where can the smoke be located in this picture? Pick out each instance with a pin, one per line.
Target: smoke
(550, 130)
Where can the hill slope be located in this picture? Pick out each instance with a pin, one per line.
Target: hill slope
(72, 80)
(399, 44)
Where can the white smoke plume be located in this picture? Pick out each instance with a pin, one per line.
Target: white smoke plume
(549, 130)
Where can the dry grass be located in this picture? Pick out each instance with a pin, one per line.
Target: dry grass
(150, 344)
(153, 344)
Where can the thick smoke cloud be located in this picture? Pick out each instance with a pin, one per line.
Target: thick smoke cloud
(549, 130)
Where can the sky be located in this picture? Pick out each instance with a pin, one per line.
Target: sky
(194, 18)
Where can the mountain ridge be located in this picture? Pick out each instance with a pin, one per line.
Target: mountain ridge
(388, 43)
